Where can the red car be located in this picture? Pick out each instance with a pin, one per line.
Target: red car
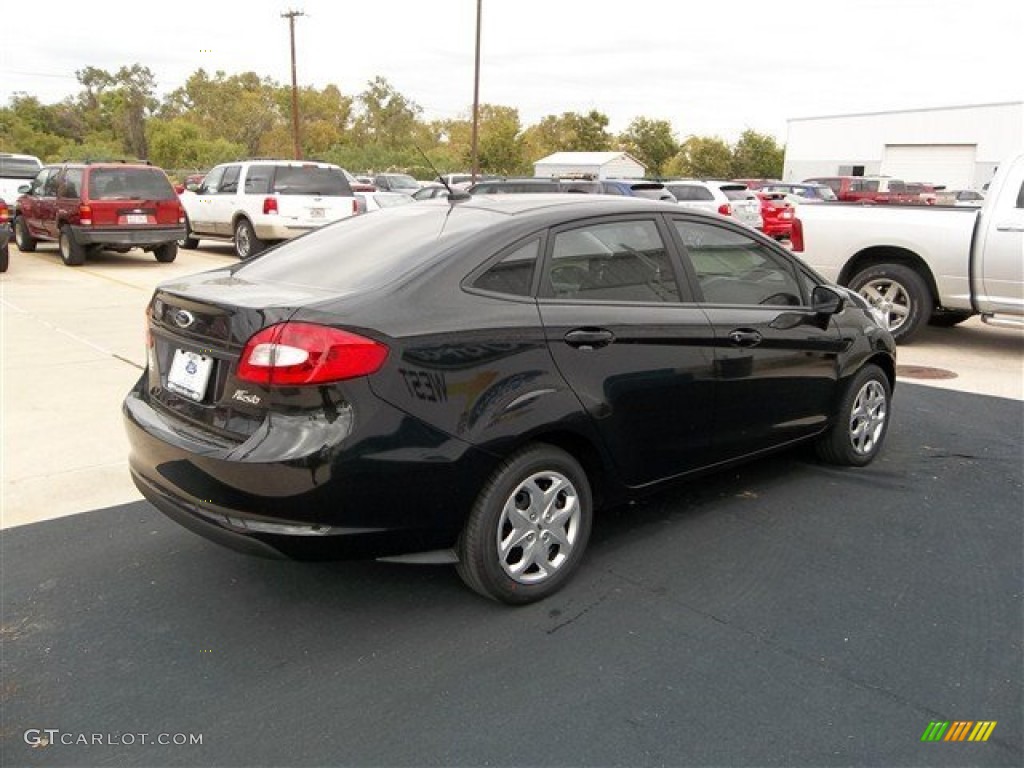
(777, 214)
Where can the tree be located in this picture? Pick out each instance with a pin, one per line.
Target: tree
(386, 117)
(568, 132)
(120, 102)
(500, 147)
(757, 156)
(702, 157)
(651, 142)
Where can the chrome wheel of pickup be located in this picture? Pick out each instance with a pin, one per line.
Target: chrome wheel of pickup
(891, 299)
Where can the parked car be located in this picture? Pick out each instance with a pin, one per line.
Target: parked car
(926, 264)
(802, 193)
(16, 171)
(396, 182)
(969, 198)
(430, 190)
(920, 193)
(467, 382)
(255, 203)
(867, 189)
(374, 201)
(756, 184)
(85, 207)
(5, 235)
(651, 190)
(726, 198)
(776, 213)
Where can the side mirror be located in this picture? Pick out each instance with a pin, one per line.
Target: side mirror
(24, 189)
(826, 300)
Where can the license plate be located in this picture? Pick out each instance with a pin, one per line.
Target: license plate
(316, 213)
(136, 218)
(189, 374)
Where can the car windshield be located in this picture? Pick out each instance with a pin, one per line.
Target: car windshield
(129, 184)
(19, 167)
(367, 252)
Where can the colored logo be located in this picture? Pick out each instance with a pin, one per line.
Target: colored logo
(958, 730)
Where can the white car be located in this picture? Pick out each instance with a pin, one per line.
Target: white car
(374, 201)
(256, 203)
(728, 198)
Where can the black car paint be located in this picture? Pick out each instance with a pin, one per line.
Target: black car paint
(391, 463)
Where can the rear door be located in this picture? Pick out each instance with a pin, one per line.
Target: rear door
(35, 207)
(621, 332)
(775, 359)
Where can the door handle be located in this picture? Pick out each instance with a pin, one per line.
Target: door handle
(744, 337)
(1010, 227)
(589, 338)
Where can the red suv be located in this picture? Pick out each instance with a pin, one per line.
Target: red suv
(92, 206)
(866, 189)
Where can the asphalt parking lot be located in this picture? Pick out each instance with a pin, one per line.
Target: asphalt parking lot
(785, 613)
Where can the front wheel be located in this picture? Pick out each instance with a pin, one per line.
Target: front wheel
(247, 244)
(861, 420)
(71, 251)
(899, 293)
(528, 528)
(26, 243)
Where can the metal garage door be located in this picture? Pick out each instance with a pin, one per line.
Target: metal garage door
(950, 164)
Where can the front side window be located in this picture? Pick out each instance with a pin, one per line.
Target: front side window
(212, 181)
(613, 261)
(735, 269)
(50, 183)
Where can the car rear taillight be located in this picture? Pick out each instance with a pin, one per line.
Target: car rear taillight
(85, 215)
(5, 215)
(725, 209)
(290, 354)
(269, 205)
(181, 214)
(796, 236)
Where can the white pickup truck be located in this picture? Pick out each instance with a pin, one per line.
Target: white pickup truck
(925, 264)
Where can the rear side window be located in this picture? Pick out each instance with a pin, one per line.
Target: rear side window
(129, 184)
(612, 261)
(310, 180)
(72, 182)
(512, 274)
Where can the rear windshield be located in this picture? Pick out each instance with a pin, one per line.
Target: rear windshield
(305, 180)
(19, 167)
(366, 252)
(735, 191)
(650, 191)
(129, 184)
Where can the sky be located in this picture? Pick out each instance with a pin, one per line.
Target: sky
(709, 68)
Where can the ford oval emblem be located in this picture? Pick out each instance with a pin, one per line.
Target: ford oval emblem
(183, 318)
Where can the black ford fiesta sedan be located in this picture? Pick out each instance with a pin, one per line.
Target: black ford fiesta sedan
(467, 382)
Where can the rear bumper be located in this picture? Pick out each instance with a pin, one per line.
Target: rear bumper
(402, 488)
(133, 238)
(285, 229)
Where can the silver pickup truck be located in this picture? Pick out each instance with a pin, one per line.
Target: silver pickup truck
(925, 264)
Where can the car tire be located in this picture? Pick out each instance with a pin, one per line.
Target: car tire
(188, 242)
(166, 253)
(861, 420)
(247, 244)
(528, 528)
(71, 251)
(899, 293)
(26, 243)
(948, 319)
(5, 257)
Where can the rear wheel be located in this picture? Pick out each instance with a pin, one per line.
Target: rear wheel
(528, 528)
(247, 244)
(5, 257)
(899, 293)
(861, 420)
(188, 242)
(166, 253)
(25, 241)
(71, 251)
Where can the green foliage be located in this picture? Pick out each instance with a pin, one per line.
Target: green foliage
(651, 142)
(220, 117)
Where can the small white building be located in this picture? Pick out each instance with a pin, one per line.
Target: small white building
(958, 147)
(600, 165)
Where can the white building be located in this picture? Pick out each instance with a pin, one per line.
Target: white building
(959, 147)
(600, 165)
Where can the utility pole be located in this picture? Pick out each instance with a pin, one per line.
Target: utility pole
(476, 96)
(290, 15)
